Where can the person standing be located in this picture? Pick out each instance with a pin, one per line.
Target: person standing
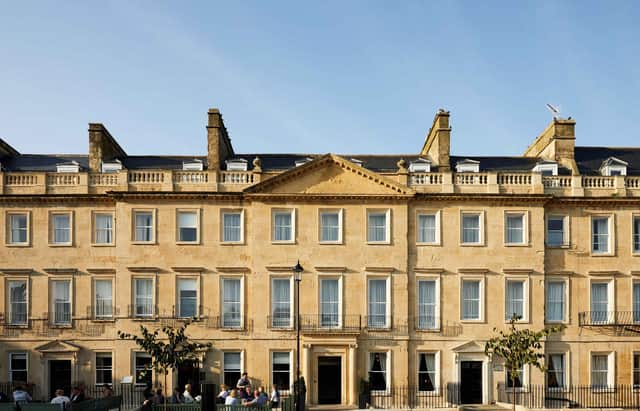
(275, 396)
(21, 396)
(243, 382)
(61, 399)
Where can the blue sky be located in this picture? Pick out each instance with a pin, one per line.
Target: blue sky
(333, 76)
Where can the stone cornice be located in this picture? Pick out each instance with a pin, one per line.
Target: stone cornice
(428, 270)
(330, 269)
(597, 201)
(101, 270)
(61, 271)
(137, 269)
(55, 198)
(517, 271)
(504, 198)
(188, 269)
(173, 195)
(324, 197)
(16, 271)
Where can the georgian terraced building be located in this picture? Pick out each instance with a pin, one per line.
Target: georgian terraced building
(409, 261)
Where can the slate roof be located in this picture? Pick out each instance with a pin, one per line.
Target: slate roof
(42, 162)
(589, 159)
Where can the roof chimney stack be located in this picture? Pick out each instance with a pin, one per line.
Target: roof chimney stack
(102, 146)
(218, 142)
(556, 143)
(437, 145)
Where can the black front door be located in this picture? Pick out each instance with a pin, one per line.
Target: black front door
(59, 377)
(471, 382)
(189, 373)
(329, 380)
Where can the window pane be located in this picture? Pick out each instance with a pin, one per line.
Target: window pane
(555, 301)
(18, 223)
(232, 228)
(636, 234)
(231, 303)
(377, 303)
(555, 371)
(144, 226)
(599, 302)
(282, 227)
(471, 229)
(231, 372)
(377, 230)
(61, 302)
(281, 302)
(18, 367)
(426, 372)
(555, 231)
(599, 371)
(144, 297)
(426, 305)
(636, 302)
(187, 226)
(104, 229)
(104, 298)
(143, 369)
(104, 368)
(280, 364)
(636, 370)
(378, 371)
(17, 302)
(600, 235)
(515, 379)
(515, 229)
(61, 228)
(471, 300)
(427, 228)
(330, 227)
(515, 299)
(329, 303)
(188, 295)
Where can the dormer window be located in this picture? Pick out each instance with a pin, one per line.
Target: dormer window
(236, 164)
(356, 161)
(420, 165)
(303, 161)
(468, 166)
(613, 167)
(546, 168)
(193, 165)
(111, 166)
(70, 167)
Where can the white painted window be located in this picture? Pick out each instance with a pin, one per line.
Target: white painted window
(556, 371)
(557, 230)
(471, 299)
(60, 228)
(515, 228)
(111, 166)
(428, 372)
(428, 228)
(232, 226)
(613, 167)
(378, 226)
(70, 167)
(281, 369)
(420, 166)
(238, 164)
(331, 226)
(232, 366)
(556, 301)
(143, 369)
(18, 367)
(193, 165)
(378, 303)
(188, 226)
(516, 299)
(18, 228)
(468, 166)
(143, 226)
(471, 228)
(636, 234)
(143, 298)
(104, 368)
(281, 302)
(601, 302)
(515, 380)
(546, 168)
(231, 303)
(61, 304)
(602, 370)
(428, 304)
(103, 228)
(17, 293)
(187, 297)
(600, 235)
(283, 226)
(379, 371)
(103, 300)
(330, 291)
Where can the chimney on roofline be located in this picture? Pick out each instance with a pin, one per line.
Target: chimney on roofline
(437, 144)
(556, 143)
(102, 147)
(219, 146)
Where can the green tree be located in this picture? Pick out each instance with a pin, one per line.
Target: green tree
(167, 352)
(519, 347)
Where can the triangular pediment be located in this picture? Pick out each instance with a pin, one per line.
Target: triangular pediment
(58, 346)
(469, 347)
(330, 175)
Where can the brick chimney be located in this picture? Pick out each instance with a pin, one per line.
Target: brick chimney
(218, 142)
(557, 143)
(438, 142)
(102, 146)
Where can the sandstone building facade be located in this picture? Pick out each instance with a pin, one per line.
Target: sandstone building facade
(410, 262)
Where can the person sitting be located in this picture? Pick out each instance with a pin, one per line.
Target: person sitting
(20, 396)
(257, 400)
(232, 398)
(222, 395)
(243, 382)
(107, 391)
(76, 395)
(60, 399)
(158, 398)
(176, 398)
(248, 394)
(188, 398)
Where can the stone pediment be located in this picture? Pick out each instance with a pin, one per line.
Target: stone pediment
(58, 346)
(330, 175)
(469, 347)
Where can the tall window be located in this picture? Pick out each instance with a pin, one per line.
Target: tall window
(427, 300)
(144, 297)
(636, 370)
(104, 368)
(556, 236)
(283, 225)
(471, 299)
(329, 302)
(103, 228)
(427, 228)
(514, 379)
(636, 302)
(231, 303)
(17, 302)
(377, 303)
(555, 371)
(555, 308)
(18, 367)
(188, 227)
(515, 296)
(600, 235)
(377, 226)
(515, 229)
(330, 223)
(281, 302)
(143, 226)
(378, 377)
(232, 227)
(18, 228)
(231, 371)
(144, 372)
(61, 228)
(281, 369)
(61, 302)
(187, 297)
(636, 234)
(103, 298)
(599, 302)
(471, 233)
(427, 372)
(600, 370)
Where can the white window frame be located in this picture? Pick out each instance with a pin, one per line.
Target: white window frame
(611, 300)
(231, 211)
(387, 371)
(194, 211)
(276, 211)
(154, 225)
(338, 211)
(242, 301)
(388, 302)
(633, 370)
(436, 279)
(114, 166)
(223, 365)
(545, 167)
(135, 294)
(438, 232)
(566, 239)
(525, 228)
(635, 314)
(52, 235)
(524, 379)
(237, 164)
(274, 278)
(136, 355)
(611, 233)
(611, 370)
(69, 280)
(69, 167)
(95, 298)
(525, 297)
(324, 277)
(635, 237)
(11, 370)
(94, 228)
(565, 311)
(198, 294)
(9, 237)
(379, 211)
(291, 377)
(436, 382)
(481, 291)
(468, 166)
(481, 218)
(566, 370)
(193, 165)
(420, 165)
(8, 301)
(95, 373)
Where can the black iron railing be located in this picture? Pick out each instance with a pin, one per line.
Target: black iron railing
(226, 322)
(574, 396)
(608, 318)
(412, 397)
(334, 323)
(426, 323)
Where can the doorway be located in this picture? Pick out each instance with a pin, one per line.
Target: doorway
(59, 377)
(189, 373)
(471, 382)
(329, 380)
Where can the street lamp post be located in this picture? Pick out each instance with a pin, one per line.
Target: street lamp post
(297, 275)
